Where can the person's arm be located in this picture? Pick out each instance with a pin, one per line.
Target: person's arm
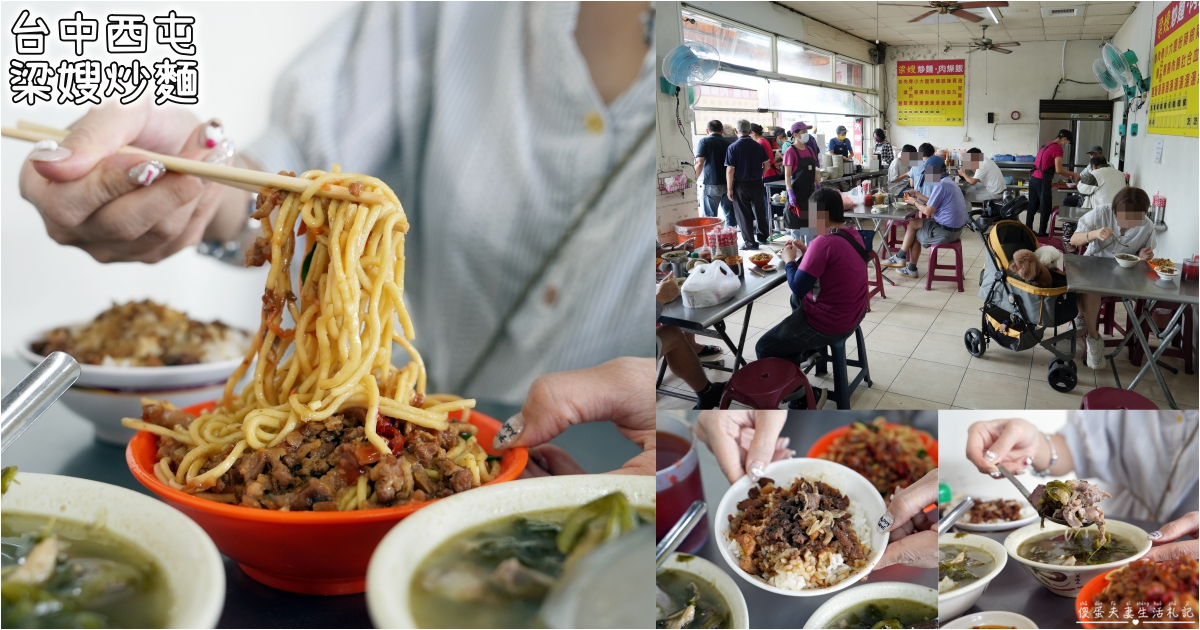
(699, 166)
(968, 178)
(729, 181)
(798, 280)
(1058, 168)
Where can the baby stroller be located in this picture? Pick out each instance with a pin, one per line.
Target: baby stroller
(1016, 314)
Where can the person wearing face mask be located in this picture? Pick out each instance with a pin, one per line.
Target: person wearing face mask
(939, 220)
(883, 149)
(1117, 228)
(837, 257)
(800, 167)
(841, 144)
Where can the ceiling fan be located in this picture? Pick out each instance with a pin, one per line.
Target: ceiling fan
(985, 44)
(950, 8)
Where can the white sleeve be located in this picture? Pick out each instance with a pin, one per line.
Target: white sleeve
(340, 100)
(1094, 441)
(1087, 222)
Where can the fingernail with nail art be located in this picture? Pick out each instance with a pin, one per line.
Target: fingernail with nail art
(757, 470)
(990, 456)
(222, 153)
(1155, 535)
(509, 432)
(49, 151)
(786, 441)
(995, 475)
(213, 133)
(885, 522)
(146, 172)
(1028, 461)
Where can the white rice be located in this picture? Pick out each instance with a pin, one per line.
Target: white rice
(794, 572)
(234, 345)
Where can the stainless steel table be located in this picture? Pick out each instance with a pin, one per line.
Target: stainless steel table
(768, 610)
(62, 443)
(699, 320)
(1103, 276)
(1014, 590)
(889, 214)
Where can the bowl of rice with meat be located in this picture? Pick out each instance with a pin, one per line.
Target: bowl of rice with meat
(140, 350)
(806, 528)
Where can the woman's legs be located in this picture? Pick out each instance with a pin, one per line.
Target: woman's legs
(1089, 304)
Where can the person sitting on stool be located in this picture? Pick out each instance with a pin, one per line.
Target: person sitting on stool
(986, 182)
(938, 221)
(838, 258)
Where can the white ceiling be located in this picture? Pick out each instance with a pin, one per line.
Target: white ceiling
(1019, 21)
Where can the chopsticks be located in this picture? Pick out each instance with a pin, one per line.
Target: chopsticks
(243, 178)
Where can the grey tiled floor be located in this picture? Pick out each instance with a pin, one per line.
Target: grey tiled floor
(918, 359)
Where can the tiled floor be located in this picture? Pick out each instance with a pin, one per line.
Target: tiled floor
(918, 359)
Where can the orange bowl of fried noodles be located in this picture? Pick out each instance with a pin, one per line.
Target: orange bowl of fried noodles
(310, 552)
(887, 454)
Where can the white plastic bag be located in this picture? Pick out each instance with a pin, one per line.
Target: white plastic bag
(710, 285)
(856, 194)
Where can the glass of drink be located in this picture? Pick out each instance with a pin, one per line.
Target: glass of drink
(677, 481)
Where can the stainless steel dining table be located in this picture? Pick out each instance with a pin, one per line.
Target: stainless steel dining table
(1103, 276)
(767, 609)
(709, 321)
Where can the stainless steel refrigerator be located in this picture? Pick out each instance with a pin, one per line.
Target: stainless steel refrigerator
(1090, 122)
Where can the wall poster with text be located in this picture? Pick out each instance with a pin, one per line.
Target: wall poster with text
(930, 93)
(1173, 91)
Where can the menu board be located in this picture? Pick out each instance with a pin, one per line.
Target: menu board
(1173, 90)
(930, 93)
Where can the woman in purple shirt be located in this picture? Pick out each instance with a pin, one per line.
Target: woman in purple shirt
(838, 258)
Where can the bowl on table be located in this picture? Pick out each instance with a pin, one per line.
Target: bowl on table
(1167, 273)
(1126, 260)
(186, 557)
(864, 500)
(315, 553)
(761, 260)
(396, 561)
(822, 445)
(844, 601)
(716, 577)
(104, 394)
(1067, 581)
(955, 602)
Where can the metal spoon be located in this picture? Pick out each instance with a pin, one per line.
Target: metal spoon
(675, 537)
(952, 516)
(35, 394)
(1035, 497)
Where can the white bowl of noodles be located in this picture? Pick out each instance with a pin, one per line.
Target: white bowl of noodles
(865, 508)
(184, 556)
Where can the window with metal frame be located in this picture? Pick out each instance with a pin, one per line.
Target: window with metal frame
(735, 43)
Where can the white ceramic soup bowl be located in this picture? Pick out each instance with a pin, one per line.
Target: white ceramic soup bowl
(399, 555)
(104, 394)
(1067, 581)
(953, 603)
(846, 600)
(718, 578)
(864, 500)
(187, 557)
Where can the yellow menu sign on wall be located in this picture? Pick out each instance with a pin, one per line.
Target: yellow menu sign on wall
(1173, 91)
(930, 93)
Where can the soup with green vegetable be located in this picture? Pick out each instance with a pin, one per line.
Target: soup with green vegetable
(887, 613)
(59, 573)
(498, 574)
(683, 600)
(1085, 547)
(959, 565)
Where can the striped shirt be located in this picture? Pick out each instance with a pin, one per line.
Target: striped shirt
(484, 120)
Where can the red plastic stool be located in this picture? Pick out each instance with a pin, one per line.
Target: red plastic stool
(1115, 398)
(932, 274)
(1055, 231)
(891, 239)
(876, 285)
(765, 384)
(1181, 344)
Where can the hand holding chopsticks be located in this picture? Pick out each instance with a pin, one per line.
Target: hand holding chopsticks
(242, 178)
